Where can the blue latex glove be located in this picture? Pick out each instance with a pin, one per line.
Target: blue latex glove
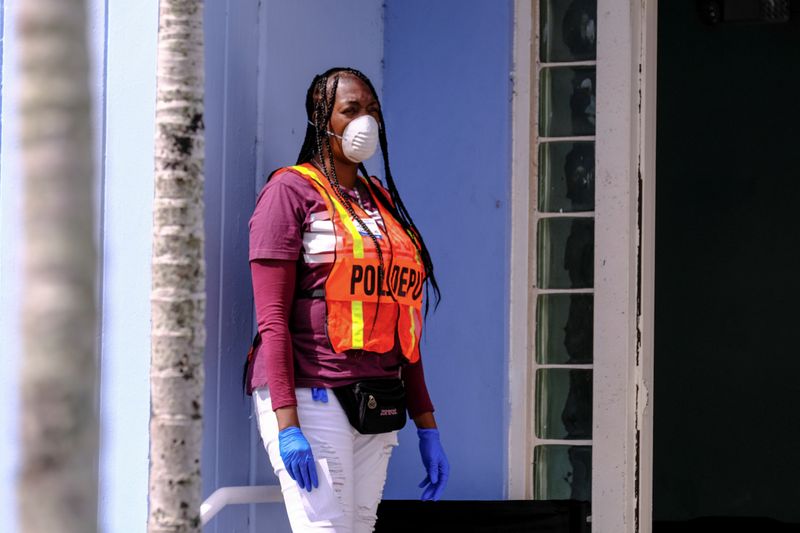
(297, 457)
(319, 394)
(435, 462)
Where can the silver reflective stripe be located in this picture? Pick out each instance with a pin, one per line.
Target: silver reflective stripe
(319, 242)
(319, 258)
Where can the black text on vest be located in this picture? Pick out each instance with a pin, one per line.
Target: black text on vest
(403, 281)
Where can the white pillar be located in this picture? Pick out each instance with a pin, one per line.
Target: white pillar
(127, 219)
(625, 148)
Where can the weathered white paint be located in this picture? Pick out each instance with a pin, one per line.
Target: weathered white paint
(648, 30)
(520, 465)
(625, 145)
(617, 439)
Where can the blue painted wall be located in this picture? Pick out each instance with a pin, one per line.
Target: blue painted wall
(443, 71)
(127, 240)
(230, 119)
(298, 40)
(10, 276)
(447, 96)
(444, 67)
(259, 62)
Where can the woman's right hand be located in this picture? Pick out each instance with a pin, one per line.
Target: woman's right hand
(297, 457)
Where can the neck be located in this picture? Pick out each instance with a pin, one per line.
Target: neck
(346, 171)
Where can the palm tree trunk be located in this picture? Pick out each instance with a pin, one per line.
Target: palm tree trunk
(57, 485)
(178, 270)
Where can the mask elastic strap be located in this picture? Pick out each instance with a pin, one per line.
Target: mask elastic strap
(326, 131)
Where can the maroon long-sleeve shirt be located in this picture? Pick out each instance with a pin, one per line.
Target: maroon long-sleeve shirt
(291, 251)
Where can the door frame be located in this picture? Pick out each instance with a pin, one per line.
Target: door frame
(622, 441)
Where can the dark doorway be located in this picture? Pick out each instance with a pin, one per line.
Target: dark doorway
(727, 363)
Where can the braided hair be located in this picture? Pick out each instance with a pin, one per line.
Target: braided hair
(319, 107)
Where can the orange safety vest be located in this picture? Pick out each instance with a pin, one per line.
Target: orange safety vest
(361, 315)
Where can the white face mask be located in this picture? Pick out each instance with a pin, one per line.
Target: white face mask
(359, 138)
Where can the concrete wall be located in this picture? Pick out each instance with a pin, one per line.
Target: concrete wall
(447, 95)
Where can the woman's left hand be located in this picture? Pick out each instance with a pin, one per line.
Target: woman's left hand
(436, 465)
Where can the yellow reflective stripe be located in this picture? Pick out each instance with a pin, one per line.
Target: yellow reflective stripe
(344, 216)
(413, 328)
(358, 242)
(357, 319)
(356, 306)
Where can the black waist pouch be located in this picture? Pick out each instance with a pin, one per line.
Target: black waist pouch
(375, 405)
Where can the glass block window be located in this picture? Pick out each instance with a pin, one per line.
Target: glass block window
(563, 403)
(562, 472)
(563, 229)
(564, 328)
(566, 101)
(566, 177)
(565, 253)
(567, 30)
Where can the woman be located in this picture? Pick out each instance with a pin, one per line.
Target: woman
(338, 269)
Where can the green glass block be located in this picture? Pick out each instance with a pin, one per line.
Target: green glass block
(565, 253)
(563, 403)
(562, 472)
(568, 30)
(564, 328)
(567, 98)
(566, 177)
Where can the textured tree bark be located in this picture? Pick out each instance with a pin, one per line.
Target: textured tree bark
(57, 483)
(178, 270)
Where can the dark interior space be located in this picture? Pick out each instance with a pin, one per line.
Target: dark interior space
(727, 364)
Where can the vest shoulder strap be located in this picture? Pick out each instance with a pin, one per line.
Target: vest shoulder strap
(375, 183)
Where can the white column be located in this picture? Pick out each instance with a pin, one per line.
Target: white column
(625, 118)
(10, 274)
(519, 470)
(127, 219)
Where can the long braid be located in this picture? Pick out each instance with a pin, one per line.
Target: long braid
(310, 146)
(318, 109)
(325, 106)
(333, 179)
(399, 210)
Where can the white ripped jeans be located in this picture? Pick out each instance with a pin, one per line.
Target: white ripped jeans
(351, 467)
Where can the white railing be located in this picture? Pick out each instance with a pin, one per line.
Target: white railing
(238, 495)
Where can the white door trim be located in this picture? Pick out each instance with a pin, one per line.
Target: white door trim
(624, 263)
(625, 198)
(520, 465)
(648, 37)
